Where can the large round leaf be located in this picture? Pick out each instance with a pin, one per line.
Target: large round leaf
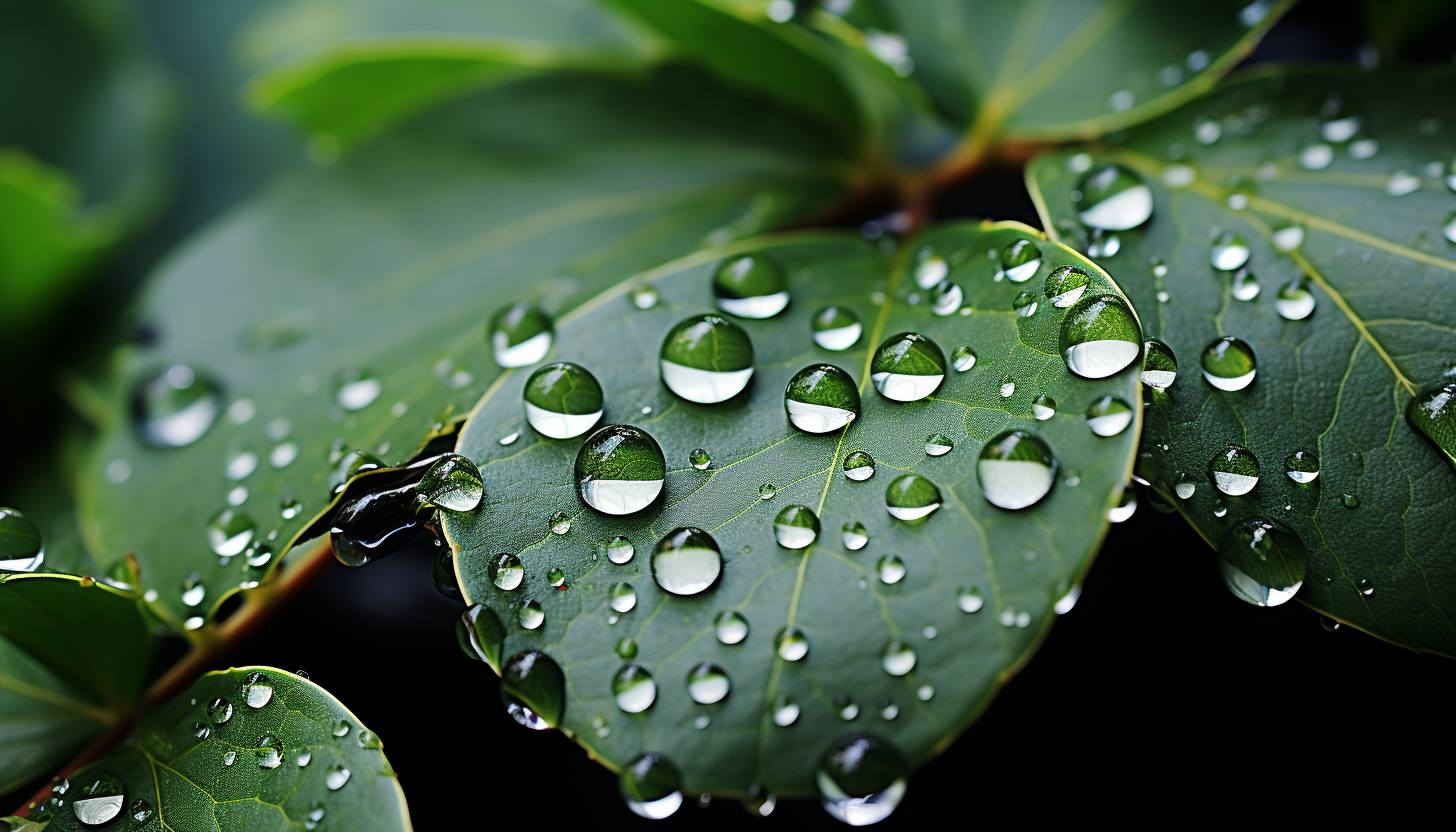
(386, 269)
(851, 608)
(1337, 185)
(239, 753)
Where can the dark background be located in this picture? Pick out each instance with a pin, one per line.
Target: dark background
(1160, 700)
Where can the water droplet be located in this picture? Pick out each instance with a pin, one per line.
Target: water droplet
(21, 547)
(1112, 198)
(1024, 303)
(304, 758)
(791, 644)
(634, 689)
(1016, 470)
(699, 459)
(645, 296)
(1401, 183)
(686, 561)
(1229, 252)
(751, 286)
(530, 615)
(1432, 413)
(562, 400)
(257, 690)
(1100, 336)
(706, 359)
(855, 536)
(451, 483)
(890, 569)
(626, 647)
(861, 779)
(767, 491)
(355, 388)
(898, 658)
(98, 802)
(1294, 302)
(1126, 506)
(1329, 624)
(938, 444)
(859, 466)
(946, 298)
(141, 811)
(1289, 238)
(620, 470)
(229, 532)
(730, 627)
(963, 358)
(1245, 285)
(556, 577)
(1008, 387)
(519, 335)
(907, 367)
(1316, 156)
(821, 398)
(194, 591)
(1261, 562)
(1302, 467)
(1020, 260)
(1339, 123)
(341, 728)
(1350, 500)
(969, 599)
(785, 711)
(651, 786)
(1043, 407)
(1449, 228)
(269, 752)
(1065, 285)
(533, 689)
(622, 597)
(796, 527)
(174, 407)
(836, 328)
(480, 635)
(1228, 364)
(708, 684)
(620, 550)
(1068, 600)
(911, 497)
(1109, 416)
(219, 711)
(508, 572)
(930, 268)
(1160, 366)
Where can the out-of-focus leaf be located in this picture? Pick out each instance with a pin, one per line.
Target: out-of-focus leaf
(1056, 69)
(386, 269)
(926, 620)
(1336, 187)
(250, 748)
(345, 70)
(42, 718)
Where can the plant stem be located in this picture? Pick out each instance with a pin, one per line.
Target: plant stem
(211, 645)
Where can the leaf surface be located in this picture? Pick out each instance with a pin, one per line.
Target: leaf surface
(1377, 263)
(1054, 69)
(387, 268)
(192, 770)
(42, 718)
(1019, 562)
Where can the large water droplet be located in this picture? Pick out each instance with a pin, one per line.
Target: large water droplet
(1229, 252)
(620, 470)
(174, 407)
(708, 684)
(859, 466)
(1228, 363)
(257, 690)
(1100, 336)
(821, 398)
(836, 328)
(686, 561)
(1065, 285)
(453, 483)
(730, 627)
(21, 548)
(1020, 260)
(1432, 413)
(1016, 470)
(791, 644)
(1235, 470)
(706, 359)
(1261, 562)
(620, 550)
(562, 400)
(634, 689)
(336, 777)
(1160, 366)
(898, 658)
(533, 689)
(890, 569)
(1302, 467)
(508, 572)
(651, 786)
(1112, 198)
(751, 286)
(268, 750)
(519, 335)
(861, 779)
(796, 527)
(622, 597)
(98, 802)
(907, 367)
(1109, 416)
(854, 535)
(911, 497)
(1295, 301)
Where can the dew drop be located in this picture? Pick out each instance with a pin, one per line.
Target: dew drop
(963, 358)
(785, 711)
(907, 367)
(1432, 413)
(730, 627)
(938, 444)
(1229, 252)
(336, 777)
(859, 466)
(1065, 285)
(854, 536)
(791, 644)
(508, 572)
(708, 684)
(451, 483)
(752, 286)
(1245, 285)
(562, 400)
(1261, 562)
(861, 779)
(1302, 467)
(911, 497)
(1235, 470)
(930, 268)
(1295, 301)
(1020, 261)
(519, 335)
(890, 569)
(651, 786)
(898, 658)
(634, 689)
(1125, 508)
(796, 527)
(1015, 470)
(1109, 416)
(530, 615)
(620, 550)
(1100, 336)
(622, 597)
(1024, 303)
(836, 328)
(174, 407)
(1112, 198)
(686, 561)
(1228, 364)
(355, 388)
(700, 459)
(1043, 407)
(821, 398)
(229, 532)
(620, 470)
(706, 359)
(1160, 366)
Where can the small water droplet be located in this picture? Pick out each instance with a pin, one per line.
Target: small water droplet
(751, 286)
(1245, 285)
(963, 358)
(930, 268)
(767, 491)
(855, 536)
(969, 599)
(1008, 387)
(699, 459)
(785, 711)
(622, 597)
(336, 777)
(1229, 364)
(1235, 470)
(634, 689)
(620, 550)
(730, 627)
(519, 335)
(911, 497)
(1109, 416)
(708, 684)
(1015, 470)
(1024, 303)
(1065, 286)
(796, 527)
(1160, 366)
(269, 752)
(1043, 407)
(645, 296)
(938, 444)
(1329, 624)
(175, 406)
(859, 466)
(452, 483)
(1302, 467)
(836, 328)
(907, 367)
(791, 644)
(355, 388)
(898, 658)
(533, 690)
(1350, 500)
(1401, 183)
(890, 569)
(530, 615)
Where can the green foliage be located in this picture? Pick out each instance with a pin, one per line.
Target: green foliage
(46, 718)
(1356, 224)
(852, 603)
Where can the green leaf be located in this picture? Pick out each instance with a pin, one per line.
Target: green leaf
(388, 267)
(90, 633)
(1057, 69)
(741, 45)
(44, 720)
(189, 768)
(345, 71)
(1020, 562)
(82, 116)
(1377, 264)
